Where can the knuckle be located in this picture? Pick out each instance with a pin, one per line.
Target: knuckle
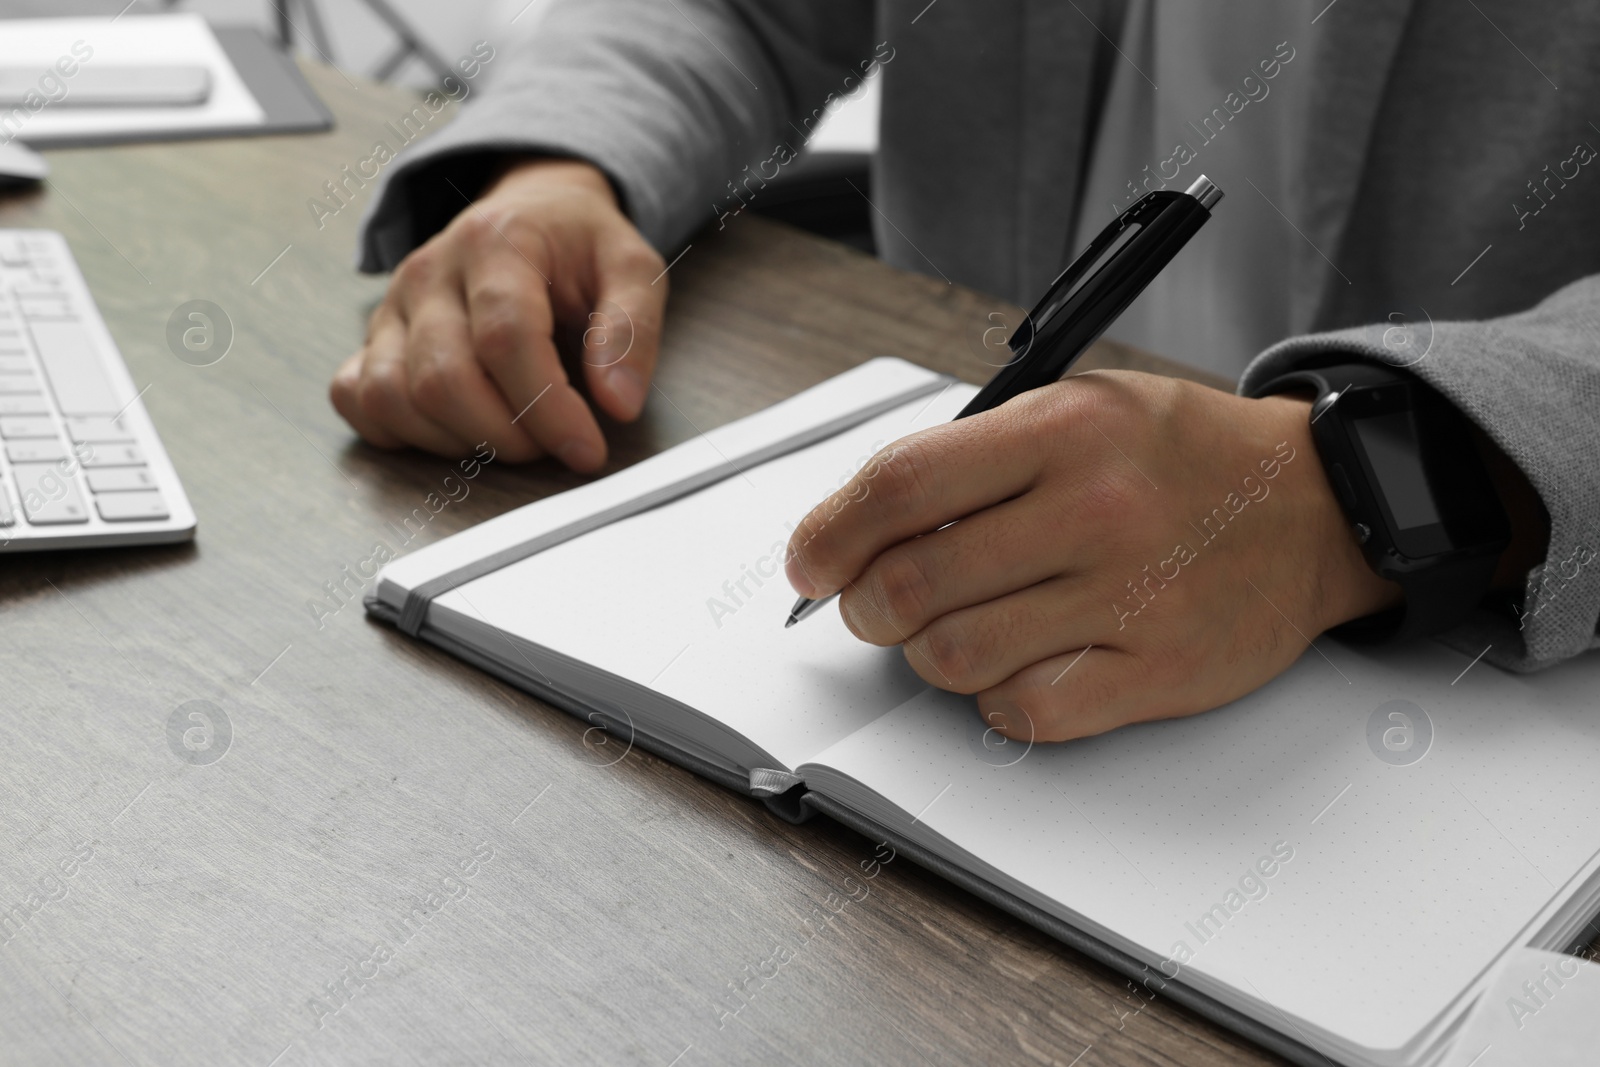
(476, 226)
(380, 394)
(493, 296)
(1083, 703)
(418, 268)
(903, 591)
(905, 478)
(864, 619)
(1048, 713)
(807, 558)
(1016, 714)
(954, 652)
(435, 386)
(1075, 412)
(613, 328)
(1100, 394)
(383, 310)
(637, 257)
(497, 338)
(1112, 497)
(504, 320)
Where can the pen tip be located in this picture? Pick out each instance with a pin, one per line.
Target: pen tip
(791, 621)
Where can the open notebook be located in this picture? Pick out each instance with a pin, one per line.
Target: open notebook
(1260, 863)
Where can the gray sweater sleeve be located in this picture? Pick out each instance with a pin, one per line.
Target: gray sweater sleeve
(672, 99)
(1531, 381)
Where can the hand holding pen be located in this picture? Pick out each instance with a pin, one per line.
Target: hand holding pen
(1080, 305)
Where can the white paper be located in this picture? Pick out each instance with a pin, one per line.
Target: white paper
(1541, 1008)
(1407, 882)
(153, 40)
(690, 600)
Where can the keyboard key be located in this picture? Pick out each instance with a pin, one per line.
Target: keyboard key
(12, 252)
(131, 507)
(45, 451)
(17, 426)
(97, 429)
(7, 516)
(12, 384)
(49, 498)
(73, 365)
(46, 308)
(112, 456)
(120, 479)
(24, 404)
(14, 363)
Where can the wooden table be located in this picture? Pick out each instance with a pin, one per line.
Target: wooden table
(588, 903)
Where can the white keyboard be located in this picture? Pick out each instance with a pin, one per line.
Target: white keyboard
(80, 462)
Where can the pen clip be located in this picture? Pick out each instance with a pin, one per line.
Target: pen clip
(1102, 248)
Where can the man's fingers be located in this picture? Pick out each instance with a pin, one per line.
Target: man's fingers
(975, 648)
(449, 386)
(384, 395)
(1080, 693)
(914, 486)
(981, 558)
(508, 307)
(622, 336)
(345, 392)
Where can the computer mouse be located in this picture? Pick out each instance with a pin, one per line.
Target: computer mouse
(19, 164)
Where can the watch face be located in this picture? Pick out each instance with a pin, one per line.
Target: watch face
(1391, 445)
(1422, 471)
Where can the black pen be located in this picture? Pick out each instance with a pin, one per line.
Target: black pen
(1079, 305)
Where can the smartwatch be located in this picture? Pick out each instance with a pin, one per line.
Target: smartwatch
(1404, 466)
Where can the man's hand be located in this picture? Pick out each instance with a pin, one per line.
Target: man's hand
(462, 349)
(1129, 547)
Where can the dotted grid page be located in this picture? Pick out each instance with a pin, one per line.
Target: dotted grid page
(689, 599)
(1356, 870)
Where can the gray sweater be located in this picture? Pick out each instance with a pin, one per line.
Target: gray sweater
(1444, 175)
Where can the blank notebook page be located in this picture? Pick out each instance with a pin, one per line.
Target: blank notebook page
(1405, 881)
(689, 599)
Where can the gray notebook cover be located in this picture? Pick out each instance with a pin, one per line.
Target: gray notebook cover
(799, 804)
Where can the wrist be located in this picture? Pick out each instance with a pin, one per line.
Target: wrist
(1345, 585)
(542, 172)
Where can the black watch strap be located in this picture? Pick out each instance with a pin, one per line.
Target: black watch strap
(1435, 601)
(1437, 597)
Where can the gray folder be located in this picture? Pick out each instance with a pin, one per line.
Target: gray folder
(290, 104)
